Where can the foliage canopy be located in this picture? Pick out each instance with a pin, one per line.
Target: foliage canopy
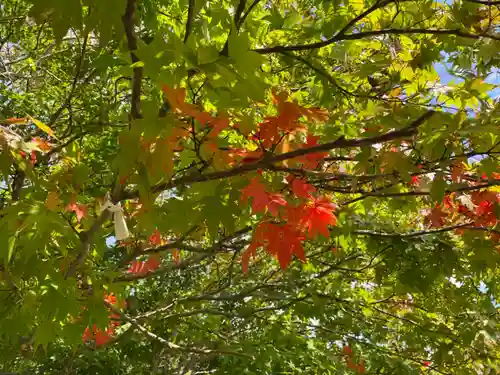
(251, 187)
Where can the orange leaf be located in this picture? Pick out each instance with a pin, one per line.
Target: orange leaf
(42, 144)
(81, 210)
(176, 254)
(176, 98)
(53, 201)
(457, 171)
(17, 120)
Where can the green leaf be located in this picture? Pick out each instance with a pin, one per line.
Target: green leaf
(238, 45)
(438, 188)
(207, 55)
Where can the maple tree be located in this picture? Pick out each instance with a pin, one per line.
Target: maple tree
(249, 187)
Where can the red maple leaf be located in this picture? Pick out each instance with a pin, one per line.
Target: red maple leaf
(101, 337)
(33, 157)
(448, 203)
(435, 217)
(415, 180)
(485, 201)
(315, 114)
(316, 216)
(153, 263)
(268, 133)
(300, 187)
(284, 241)
(177, 100)
(484, 208)
(257, 191)
(280, 240)
(81, 210)
(275, 201)
(287, 121)
(142, 268)
(347, 350)
(351, 364)
(261, 199)
(87, 334)
(135, 267)
(360, 368)
(155, 238)
(288, 112)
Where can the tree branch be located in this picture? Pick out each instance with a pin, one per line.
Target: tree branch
(128, 24)
(72, 91)
(488, 3)
(364, 34)
(379, 4)
(167, 343)
(203, 254)
(339, 143)
(415, 193)
(249, 10)
(88, 236)
(423, 232)
(333, 176)
(189, 22)
(237, 16)
(86, 242)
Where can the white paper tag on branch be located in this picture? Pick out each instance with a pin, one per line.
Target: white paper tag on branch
(121, 229)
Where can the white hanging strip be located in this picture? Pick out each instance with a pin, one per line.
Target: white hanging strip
(121, 229)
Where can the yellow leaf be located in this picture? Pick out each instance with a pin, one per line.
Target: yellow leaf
(395, 92)
(43, 127)
(53, 201)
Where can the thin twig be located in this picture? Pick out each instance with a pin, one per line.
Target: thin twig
(167, 343)
(249, 10)
(424, 232)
